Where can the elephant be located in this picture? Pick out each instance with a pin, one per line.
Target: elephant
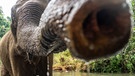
(15, 61)
(89, 28)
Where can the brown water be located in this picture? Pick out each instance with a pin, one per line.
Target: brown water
(86, 74)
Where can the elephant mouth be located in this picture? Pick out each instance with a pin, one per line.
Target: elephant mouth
(101, 29)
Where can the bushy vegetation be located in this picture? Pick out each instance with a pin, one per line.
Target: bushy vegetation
(65, 62)
(4, 23)
(133, 7)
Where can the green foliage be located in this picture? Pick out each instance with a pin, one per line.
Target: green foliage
(65, 62)
(4, 23)
(133, 7)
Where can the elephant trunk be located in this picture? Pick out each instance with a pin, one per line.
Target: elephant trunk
(90, 28)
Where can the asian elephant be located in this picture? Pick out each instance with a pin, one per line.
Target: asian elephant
(89, 28)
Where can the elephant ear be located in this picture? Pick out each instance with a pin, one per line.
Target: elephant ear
(14, 21)
(14, 17)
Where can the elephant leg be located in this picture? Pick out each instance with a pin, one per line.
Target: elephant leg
(4, 71)
(42, 67)
(45, 66)
(50, 64)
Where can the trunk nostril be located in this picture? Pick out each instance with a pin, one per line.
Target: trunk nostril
(105, 18)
